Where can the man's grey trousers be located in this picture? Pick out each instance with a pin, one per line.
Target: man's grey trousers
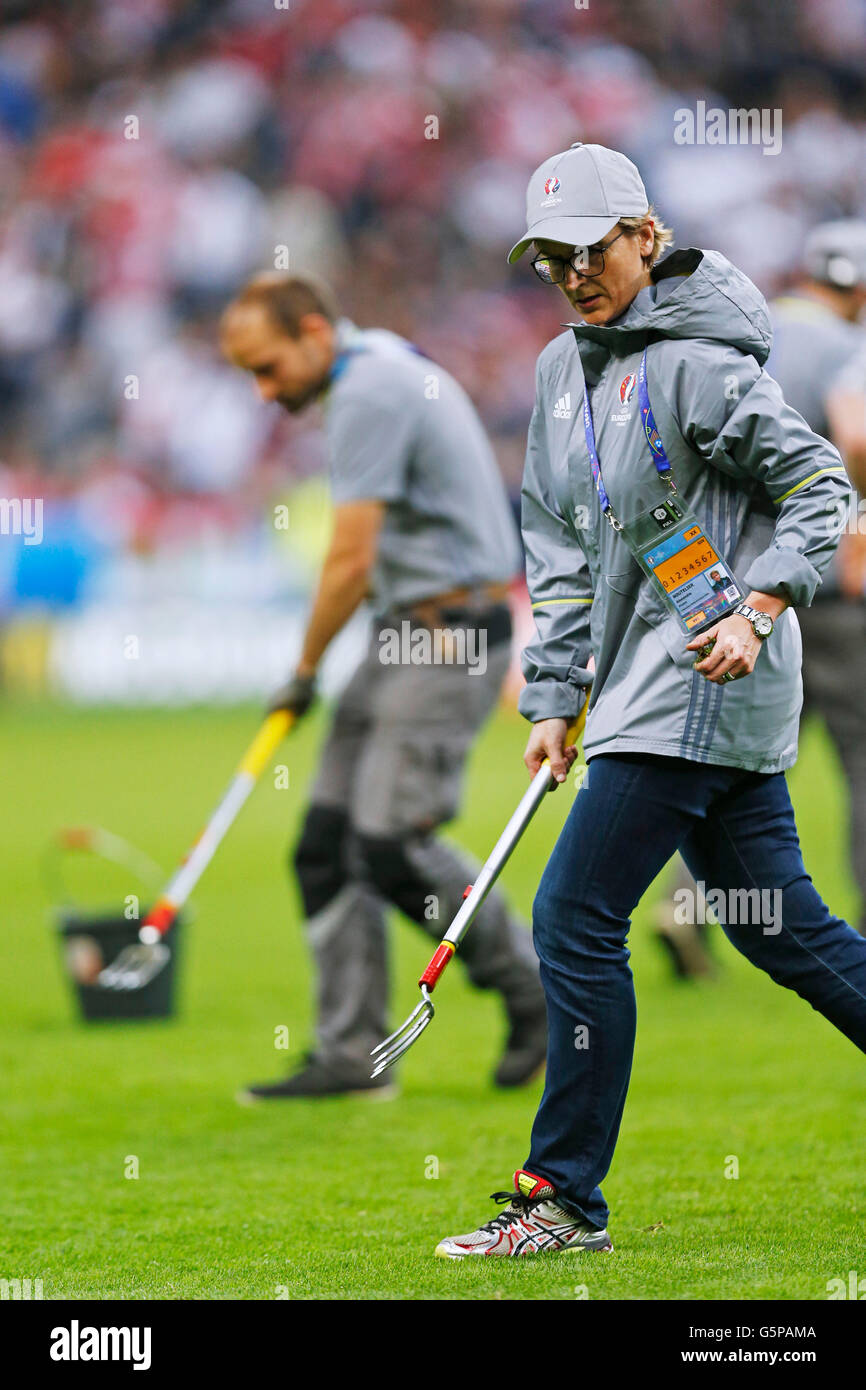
(391, 772)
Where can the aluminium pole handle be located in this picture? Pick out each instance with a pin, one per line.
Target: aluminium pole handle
(475, 893)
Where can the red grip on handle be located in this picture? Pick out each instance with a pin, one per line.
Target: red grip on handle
(76, 837)
(440, 959)
(161, 916)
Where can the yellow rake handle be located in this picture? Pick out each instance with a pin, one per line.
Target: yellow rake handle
(268, 738)
(575, 728)
(249, 769)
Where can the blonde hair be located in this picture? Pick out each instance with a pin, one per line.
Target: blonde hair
(663, 236)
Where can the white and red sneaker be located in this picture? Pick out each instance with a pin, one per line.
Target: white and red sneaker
(532, 1224)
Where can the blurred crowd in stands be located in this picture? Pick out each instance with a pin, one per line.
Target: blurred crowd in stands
(154, 153)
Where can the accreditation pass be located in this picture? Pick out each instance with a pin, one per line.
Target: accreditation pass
(693, 577)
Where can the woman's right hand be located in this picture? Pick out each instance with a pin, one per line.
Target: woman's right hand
(547, 740)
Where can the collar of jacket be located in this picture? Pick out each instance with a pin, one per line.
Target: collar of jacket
(347, 339)
(694, 294)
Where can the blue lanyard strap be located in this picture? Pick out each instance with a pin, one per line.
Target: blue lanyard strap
(341, 361)
(653, 439)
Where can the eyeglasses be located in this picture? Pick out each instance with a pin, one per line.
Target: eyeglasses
(587, 261)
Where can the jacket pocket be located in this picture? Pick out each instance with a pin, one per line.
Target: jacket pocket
(626, 581)
(651, 607)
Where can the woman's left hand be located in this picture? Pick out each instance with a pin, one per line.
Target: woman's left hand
(736, 649)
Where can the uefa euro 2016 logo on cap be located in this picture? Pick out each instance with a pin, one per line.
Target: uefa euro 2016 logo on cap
(552, 185)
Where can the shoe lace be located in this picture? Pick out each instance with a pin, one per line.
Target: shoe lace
(517, 1203)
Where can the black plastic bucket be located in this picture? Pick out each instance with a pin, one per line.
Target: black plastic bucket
(92, 940)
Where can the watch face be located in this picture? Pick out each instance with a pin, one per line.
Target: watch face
(763, 624)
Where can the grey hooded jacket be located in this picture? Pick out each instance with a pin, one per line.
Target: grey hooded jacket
(770, 492)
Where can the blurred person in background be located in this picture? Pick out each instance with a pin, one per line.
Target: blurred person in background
(422, 528)
(256, 131)
(818, 360)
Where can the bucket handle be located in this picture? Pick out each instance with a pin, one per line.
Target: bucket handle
(92, 839)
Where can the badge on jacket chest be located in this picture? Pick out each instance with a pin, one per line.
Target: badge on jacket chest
(626, 391)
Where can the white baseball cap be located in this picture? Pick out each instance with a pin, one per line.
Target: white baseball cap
(577, 197)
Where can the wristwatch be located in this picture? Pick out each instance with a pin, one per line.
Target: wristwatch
(762, 623)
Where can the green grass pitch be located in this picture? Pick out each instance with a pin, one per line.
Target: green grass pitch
(333, 1198)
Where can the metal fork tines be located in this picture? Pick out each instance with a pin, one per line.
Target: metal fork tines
(389, 1051)
(135, 967)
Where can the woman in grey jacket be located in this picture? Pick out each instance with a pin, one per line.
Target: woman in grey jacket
(661, 461)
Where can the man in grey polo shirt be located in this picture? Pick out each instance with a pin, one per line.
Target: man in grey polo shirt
(423, 529)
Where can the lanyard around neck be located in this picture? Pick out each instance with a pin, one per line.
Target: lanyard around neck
(653, 439)
(341, 361)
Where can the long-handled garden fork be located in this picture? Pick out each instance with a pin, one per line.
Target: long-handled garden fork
(137, 965)
(394, 1047)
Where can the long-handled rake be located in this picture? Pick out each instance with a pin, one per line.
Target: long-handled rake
(137, 965)
(389, 1051)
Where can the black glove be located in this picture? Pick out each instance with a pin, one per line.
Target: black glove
(296, 695)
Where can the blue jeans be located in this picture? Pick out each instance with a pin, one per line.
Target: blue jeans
(736, 831)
